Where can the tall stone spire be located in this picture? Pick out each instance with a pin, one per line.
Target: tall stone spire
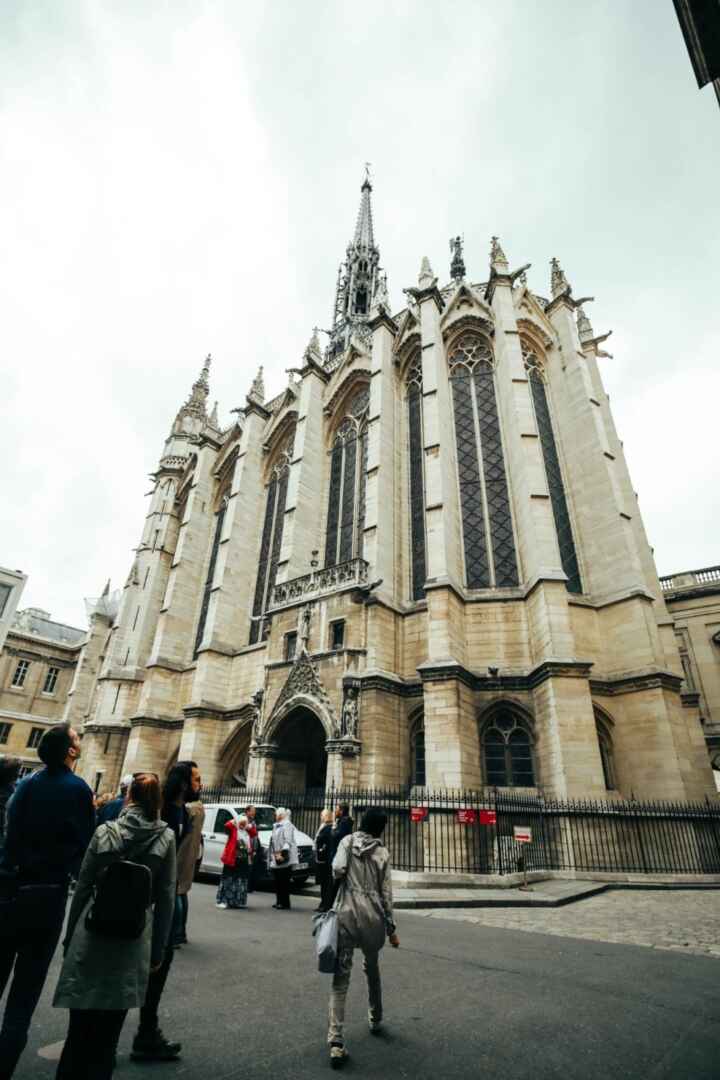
(364, 227)
(357, 279)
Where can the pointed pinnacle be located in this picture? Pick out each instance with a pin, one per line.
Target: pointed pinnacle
(257, 390)
(585, 330)
(497, 255)
(426, 278)
(213, 421)
(364, 225)
(106, 590)
(381, 298)
(558, 282)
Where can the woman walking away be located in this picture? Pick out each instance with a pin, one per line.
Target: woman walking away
(323, 860)
(365, 917)
(237, 862)
(282, 857)
(114, 938)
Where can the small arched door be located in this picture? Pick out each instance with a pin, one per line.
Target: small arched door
(301, 757)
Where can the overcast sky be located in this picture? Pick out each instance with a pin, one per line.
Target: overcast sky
(183, 177)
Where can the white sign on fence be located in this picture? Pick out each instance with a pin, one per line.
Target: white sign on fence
(522, 834)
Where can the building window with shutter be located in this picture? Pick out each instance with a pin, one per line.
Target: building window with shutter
(51, 680)
(290, 645)
(18, 679)
(337, 634)
(4, 733)
(34, 738)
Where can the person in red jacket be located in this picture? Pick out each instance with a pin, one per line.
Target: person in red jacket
(237, 860)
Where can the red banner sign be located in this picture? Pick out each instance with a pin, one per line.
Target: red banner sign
(418, 813)
(488, 817)
(466, 817)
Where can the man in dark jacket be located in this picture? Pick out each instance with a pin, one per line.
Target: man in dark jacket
(342, 828)
(50, 820)
(9, 772)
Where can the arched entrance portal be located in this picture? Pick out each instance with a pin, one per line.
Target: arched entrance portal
(301, 758)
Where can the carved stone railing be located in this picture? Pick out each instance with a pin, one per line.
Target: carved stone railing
(320, 582)
(691, 579)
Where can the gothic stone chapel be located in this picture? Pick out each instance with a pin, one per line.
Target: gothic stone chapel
(422, 563)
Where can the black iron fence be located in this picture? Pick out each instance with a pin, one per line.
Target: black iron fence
(488, 832)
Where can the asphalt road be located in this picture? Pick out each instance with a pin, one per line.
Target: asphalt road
(461, 1001)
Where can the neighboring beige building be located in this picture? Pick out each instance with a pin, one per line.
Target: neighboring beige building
(693, 600)
(422, 562)
(12, 583)
(37, 666)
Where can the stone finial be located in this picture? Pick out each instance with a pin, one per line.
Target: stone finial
(257, 390)
(213, 421)
(457, 266)
(134, 575)
(106, 590)
(585, 330)
(497, 257)
(426, 278)
(559, 284)
(313, 351)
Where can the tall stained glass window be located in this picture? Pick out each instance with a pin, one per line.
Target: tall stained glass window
(413, 381)
(219, 520)
(489, 543)
(566, 544)
(270, 543)
(348, 469)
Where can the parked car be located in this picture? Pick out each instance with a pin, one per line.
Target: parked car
(215, 836)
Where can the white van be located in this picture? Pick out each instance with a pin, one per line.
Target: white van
(215, 837)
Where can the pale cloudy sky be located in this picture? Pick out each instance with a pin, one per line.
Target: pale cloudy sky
(182, 177)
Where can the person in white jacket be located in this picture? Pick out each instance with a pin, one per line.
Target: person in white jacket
(282, 857)
(365, 918)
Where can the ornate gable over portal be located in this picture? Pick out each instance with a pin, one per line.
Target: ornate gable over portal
(303, 686)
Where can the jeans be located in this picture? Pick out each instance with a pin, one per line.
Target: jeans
(156, 985)
(26, 953)
(178, 934)
(90, 1045)
(340, 985)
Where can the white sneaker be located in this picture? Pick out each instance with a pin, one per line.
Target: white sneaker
(374, 1025)
(223, 907)
(338, 1056)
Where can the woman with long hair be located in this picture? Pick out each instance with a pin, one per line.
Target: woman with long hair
(104, 975)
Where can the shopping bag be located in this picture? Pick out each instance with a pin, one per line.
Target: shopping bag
(325, 932)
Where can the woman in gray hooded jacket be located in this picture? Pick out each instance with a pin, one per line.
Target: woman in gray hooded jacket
(102, 977)
(365, 918)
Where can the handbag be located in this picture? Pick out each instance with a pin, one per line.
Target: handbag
(325, 932)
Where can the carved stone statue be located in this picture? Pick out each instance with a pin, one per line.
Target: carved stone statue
(349, 722)
(305, 626)
(256, 699)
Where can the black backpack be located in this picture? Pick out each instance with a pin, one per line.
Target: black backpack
(123, 895)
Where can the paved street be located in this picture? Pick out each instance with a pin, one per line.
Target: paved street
(684, 920)
(462, 999)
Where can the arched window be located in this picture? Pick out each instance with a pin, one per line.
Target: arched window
(606, 751)
(566, 544)
(270, 542)
(413, 382)
(417, 752)
(489, 544)
(346, 499)
(507, 750)
(217, 534)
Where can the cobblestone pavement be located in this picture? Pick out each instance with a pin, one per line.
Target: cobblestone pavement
(682, 920)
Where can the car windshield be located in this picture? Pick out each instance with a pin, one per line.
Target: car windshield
(264, 816)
